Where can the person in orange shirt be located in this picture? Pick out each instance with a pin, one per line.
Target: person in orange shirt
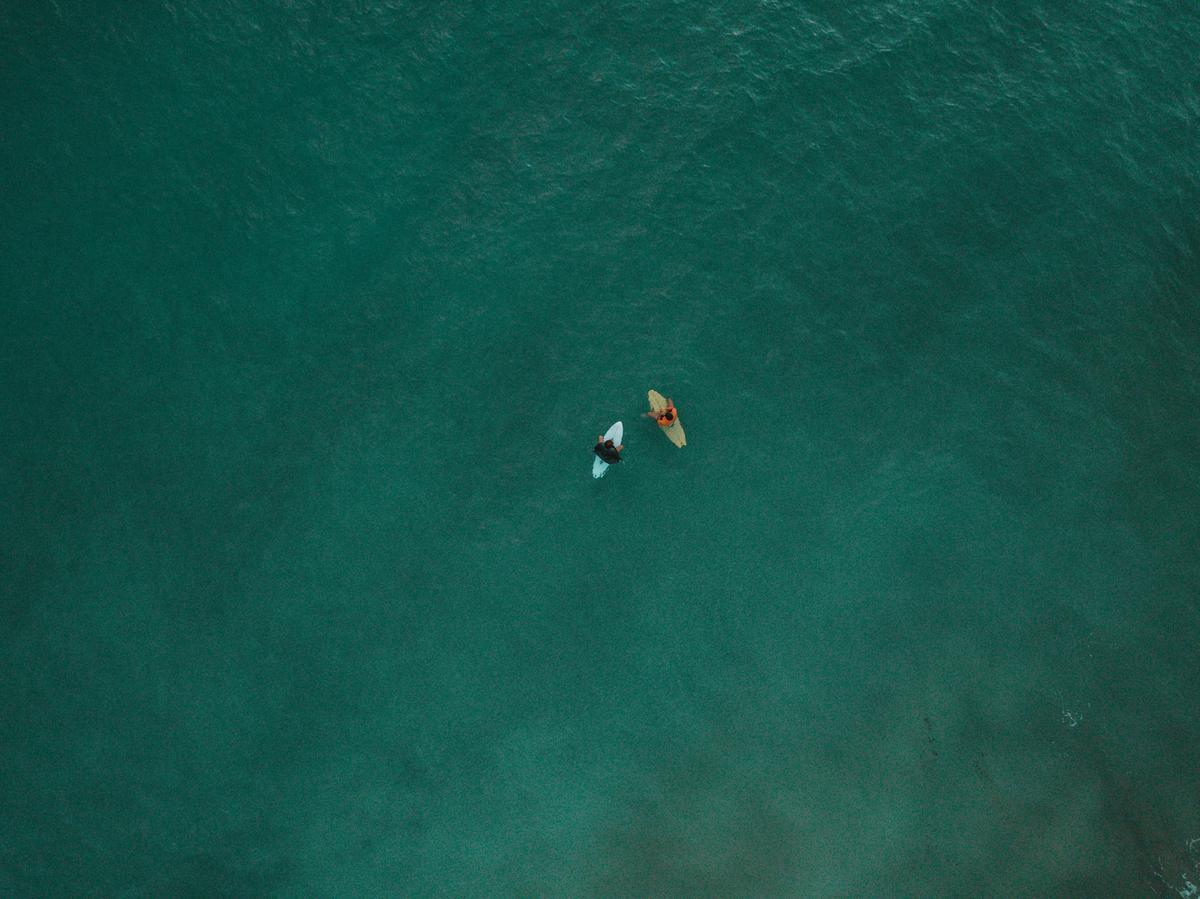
(665, 417)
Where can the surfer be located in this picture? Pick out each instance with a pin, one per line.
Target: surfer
(666, 416)
(606, 451)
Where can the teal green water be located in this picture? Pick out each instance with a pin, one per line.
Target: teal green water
(310, 319)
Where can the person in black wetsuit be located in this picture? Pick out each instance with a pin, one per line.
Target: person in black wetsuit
(606, 451)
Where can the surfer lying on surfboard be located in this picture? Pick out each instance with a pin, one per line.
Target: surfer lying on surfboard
(665, 417)
(606, 451)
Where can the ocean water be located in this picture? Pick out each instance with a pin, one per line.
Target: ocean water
(311, 313)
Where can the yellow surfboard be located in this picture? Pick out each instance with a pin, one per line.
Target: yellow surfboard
(674, 433)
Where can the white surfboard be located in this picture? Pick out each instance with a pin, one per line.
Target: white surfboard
(615, 434)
